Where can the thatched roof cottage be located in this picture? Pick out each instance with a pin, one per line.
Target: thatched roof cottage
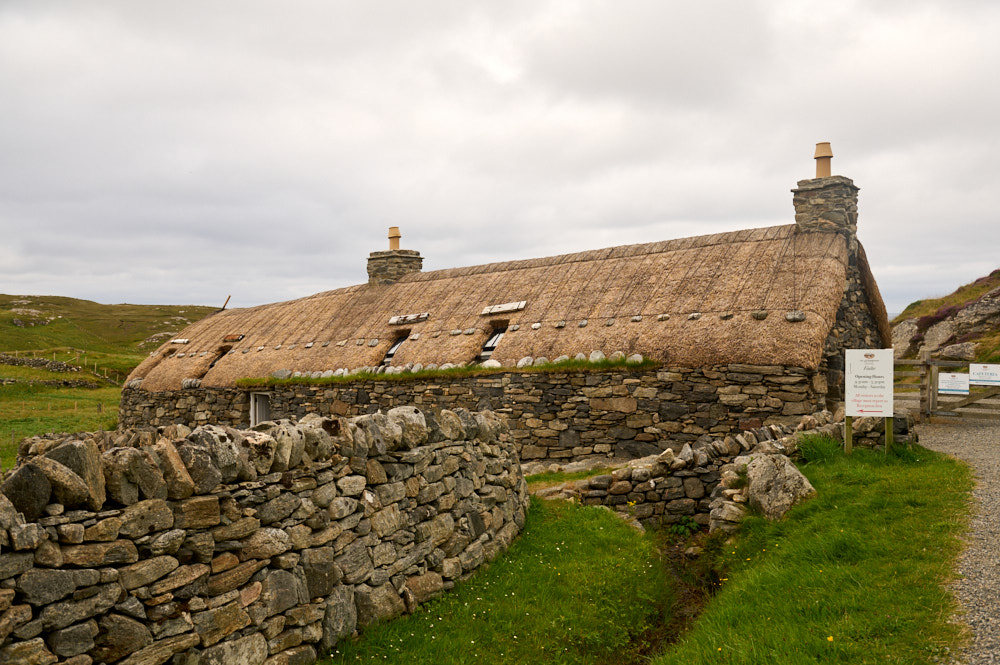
(791, 296)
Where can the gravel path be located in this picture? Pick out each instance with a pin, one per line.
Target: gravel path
(979, 588)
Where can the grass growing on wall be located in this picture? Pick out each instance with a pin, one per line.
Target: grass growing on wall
(578, 586)
(852, 576)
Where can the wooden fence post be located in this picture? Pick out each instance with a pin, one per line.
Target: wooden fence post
(926, 386)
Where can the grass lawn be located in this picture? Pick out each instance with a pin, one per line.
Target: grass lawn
(853, 576)
(578, 586)
(27, 410)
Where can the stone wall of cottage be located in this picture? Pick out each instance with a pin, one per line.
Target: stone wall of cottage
(244, 547)
(554, 415)
(854, 328)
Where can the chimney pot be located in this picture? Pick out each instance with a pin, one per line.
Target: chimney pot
(394, 237)
(823, 157)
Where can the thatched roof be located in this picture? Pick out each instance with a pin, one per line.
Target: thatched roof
(634, 298)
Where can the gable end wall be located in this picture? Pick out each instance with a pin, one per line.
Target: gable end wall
(855, 328)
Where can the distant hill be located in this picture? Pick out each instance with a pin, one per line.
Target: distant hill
(964, 325)
(117, 336)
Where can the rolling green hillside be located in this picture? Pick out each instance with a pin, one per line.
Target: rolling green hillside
(49, 322)
(105, 341)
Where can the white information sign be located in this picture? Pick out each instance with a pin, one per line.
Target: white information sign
(984, 375)
(953, 384)
(868, 382)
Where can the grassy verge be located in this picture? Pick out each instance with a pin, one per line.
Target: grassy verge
(853, 576)
(27, 410)
(578, 586)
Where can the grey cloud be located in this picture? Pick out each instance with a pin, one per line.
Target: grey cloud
(177, 152)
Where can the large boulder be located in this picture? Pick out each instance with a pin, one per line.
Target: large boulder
(774, 485)
(119, 636)
(341, 618)
(175, 474)
(412, 424)
(222, 444)
(69, 489)
(257, 452)
(131, 474)
(377, 604)
(492, 425)
(200, 466)
(84, 459)
(318, 443)
(28, 489)
(381, 433)
(289, 445)
(443, 425)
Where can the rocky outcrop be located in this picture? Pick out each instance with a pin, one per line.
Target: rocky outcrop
(238, 547)
(950, 331)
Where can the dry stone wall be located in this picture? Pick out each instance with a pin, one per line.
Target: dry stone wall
(706, 482)
(555, 415)
(226, 547)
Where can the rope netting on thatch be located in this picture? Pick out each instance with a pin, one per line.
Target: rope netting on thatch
(689, 302)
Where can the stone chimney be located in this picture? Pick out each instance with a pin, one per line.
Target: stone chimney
(387, 267)
(827, 203)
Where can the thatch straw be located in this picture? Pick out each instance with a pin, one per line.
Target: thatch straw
(772, 269)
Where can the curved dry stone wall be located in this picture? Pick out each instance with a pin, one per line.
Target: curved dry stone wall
(225, 547)
(711, 482)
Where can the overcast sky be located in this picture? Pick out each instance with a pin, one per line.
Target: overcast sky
(180, 152)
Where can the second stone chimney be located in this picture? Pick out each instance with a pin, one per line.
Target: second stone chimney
(826, 203)
(387, 267)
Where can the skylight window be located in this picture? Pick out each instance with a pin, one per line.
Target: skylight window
(408, 318)
(515, 306)
(392, 349)
(491, 343)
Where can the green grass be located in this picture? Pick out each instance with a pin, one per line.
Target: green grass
(454, 373)
(578, 586)
(852, 576)
(855, 575)
(27, 410)
(90, 326)
(25, 373)
(105, 340)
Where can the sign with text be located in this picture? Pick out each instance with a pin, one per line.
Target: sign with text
(953, 384)
(984, 375)
(868, 382)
